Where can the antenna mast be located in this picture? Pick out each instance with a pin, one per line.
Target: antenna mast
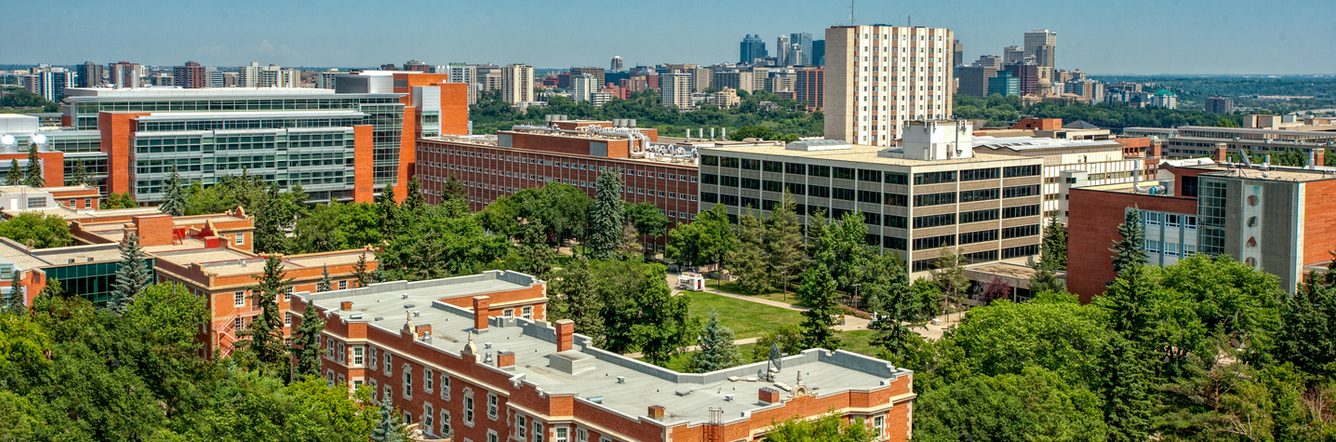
(851, 12)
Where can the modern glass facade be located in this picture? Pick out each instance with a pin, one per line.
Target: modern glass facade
(91, 281)
(1211, 215)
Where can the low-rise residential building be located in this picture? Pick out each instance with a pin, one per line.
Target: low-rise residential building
(469, 372)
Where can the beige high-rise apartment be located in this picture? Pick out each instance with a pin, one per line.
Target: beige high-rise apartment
(675, 90)
(517, 83)
(879, 76)
(1041, 44)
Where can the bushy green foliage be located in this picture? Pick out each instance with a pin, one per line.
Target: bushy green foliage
(37, 230)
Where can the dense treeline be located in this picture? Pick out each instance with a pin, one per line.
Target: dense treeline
(1001, 111)
(20, 98)
(777, 118)
(1247, 91)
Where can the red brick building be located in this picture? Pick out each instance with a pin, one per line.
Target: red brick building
(571, 152)
(469, 373)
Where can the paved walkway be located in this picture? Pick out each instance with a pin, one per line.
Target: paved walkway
(928, 331)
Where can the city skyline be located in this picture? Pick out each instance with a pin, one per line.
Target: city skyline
(289, 34)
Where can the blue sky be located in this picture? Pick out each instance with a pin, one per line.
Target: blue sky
(1105, 37)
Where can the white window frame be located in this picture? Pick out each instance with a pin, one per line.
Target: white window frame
(428, 379)
(521, 427)
(445, 386)
(241, 238)
(492, 406)
(374, 358)
(239, 298)
(389, 363)
(538, 433)
(526, 312)
(561, 434)
(408, 381)
(879, 425)
(359, 355)
(446, 429)
(428, 418)
(469, 415)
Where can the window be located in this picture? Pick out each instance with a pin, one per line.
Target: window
(709, 178)
(445, 423)
(728, 162)
(869, 175)
(844, 194)
(1020, 231)
(979, 236)
(868, 196)
(408, 382)
(969, 196)
(1020, 191)
(1019, 171)
(934, 199)
(492, 437)
(427, 379)
(933, 242)
(387, 394)
(428, 417)
(879, 422)
(894, 221)
(468, 407)
(795, 168)
(389, 359)
(845, 173)
(445, 386)
(239, 298)
(374, 358)
(527, 312)
(561, 434)
(357, 356)
(538, 431)
(979, 174)
(1020, 211)
(709, 160)
(896, 178)
(978, 215)
(895, 199)
(935, 177)
(241, 238)
(750, 164)
(521, 426)
(287, 319)
(926, 221)
(492, 407)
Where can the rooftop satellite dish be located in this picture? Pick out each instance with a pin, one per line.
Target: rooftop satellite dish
(7, 141)
(38, 139)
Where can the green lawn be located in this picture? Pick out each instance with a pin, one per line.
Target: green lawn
(732, 287)
(856, 341)
(747, 319)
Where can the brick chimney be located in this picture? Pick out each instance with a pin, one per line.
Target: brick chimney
(565, 335)
(422, 331)
(656, 412)
(480, 309)
(346, 306)
(505, 359)
(1221, 152)
(1156, 148)
(1319, 157)
(768, 395)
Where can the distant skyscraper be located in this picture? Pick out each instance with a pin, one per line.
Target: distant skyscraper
(974, 80)
(751, 48)
(49, 82)
(675, 90)
(583, 87)
(860, 111)
(1004, 84)
(818, 52)
(803, 40)
(517, 83)
(190, 76)
(90, 74)
(617, 64)
(1220, 105)
(598, 73)
(1041, 44)
(808, 87)
(124, 74)
(991, 61)
(1013, 54)
(416, 65)
(958, 56)
(783, 51)
(1028, 75)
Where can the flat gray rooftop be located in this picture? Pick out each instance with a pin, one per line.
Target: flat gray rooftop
(590, 373)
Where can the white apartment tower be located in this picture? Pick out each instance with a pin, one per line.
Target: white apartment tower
(675, 90)
(517, 83)
(583, 87)
(880, 76)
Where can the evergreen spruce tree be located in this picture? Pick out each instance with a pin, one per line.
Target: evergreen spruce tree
(33, 177)
(1129, 303)
(14, 302)
(390, 429)
(81, 177)
(748, 261)
(174, 196)
(1125, 388)
(1053, 249)
(360, 271)
(891, 300)
(15, 175)
(453, 189)
(784, 243)
(267, 330)
(325, 284)
(414, 201)
(717, 350)
(1128, 250)
(132, 275)
(388, 210)
(306, 344)
(817, 292)
(605, 217)
(1045, 279)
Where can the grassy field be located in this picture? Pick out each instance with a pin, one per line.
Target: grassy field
(746, 319)
(732, 287)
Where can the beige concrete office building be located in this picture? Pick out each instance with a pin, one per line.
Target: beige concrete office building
(517, 84)
(878, 77)
(933, 194)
